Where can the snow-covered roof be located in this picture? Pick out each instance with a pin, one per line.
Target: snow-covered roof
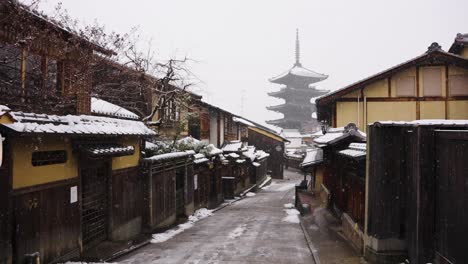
(102, 107)
(261, 154)
(233, 146)
(243, 121)
(250, 153)
(334, 135)
(232, 155)
(150, 146)
(299, 71)
(79, 125)
(199, 158)
(425, 122)
(166, 156)
(355, 150)
(4, 109)
(211, 150)
(100, 150)
(313, 156)
(188, 140)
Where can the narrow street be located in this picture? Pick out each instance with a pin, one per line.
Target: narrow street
(257, 229)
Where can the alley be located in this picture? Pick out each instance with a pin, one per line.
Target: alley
(256, 229)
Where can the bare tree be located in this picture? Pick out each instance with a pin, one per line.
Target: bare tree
(124, 71)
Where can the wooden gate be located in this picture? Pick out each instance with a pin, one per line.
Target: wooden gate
(94, 210)
(451, 223)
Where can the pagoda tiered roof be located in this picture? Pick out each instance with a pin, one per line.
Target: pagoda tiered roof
(298, 73)
(282, 122)
(311, 92)
(290, 106)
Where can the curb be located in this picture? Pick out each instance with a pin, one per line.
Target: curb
(311, 247)
(127, 251)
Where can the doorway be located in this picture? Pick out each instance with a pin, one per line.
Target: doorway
(94, 199)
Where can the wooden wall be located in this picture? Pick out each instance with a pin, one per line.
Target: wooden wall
(126, 203)
(160, 197)
(46, 221)
(5, 204)
(386, 182)
(267, 144)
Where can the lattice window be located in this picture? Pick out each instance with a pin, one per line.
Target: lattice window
(41, 158)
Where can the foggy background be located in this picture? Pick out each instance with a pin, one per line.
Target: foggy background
(240, 44)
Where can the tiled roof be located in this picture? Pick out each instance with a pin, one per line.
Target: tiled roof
(167, 156)
(102, 107)
(106, 150)
(76, 125)
(233, 146)
(313, 156)
(335, 135)
(355, 150)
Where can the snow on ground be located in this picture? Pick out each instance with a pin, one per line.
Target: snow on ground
(292, 216)
(250, 194)
(238, 231)
(269, 186)
(289, 205)
(198, 215)
(286, 187)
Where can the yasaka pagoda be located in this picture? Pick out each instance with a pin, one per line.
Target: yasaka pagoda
(297, 93)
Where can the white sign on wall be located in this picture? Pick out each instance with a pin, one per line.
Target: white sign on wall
(73, 194)
(195, 181)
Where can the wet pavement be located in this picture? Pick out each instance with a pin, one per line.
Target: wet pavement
(327, 239)
(257, 229)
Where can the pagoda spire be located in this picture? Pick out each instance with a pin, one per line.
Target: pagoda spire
(298, 51)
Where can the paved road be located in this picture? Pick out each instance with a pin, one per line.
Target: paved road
(252, 230)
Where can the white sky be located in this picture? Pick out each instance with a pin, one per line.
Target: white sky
(240, 44)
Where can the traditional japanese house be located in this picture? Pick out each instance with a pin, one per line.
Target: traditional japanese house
(72, 182)
(63, 175)
(45, 68)
(416, 200)
(429, 86)
(272, 143)
(337, 169)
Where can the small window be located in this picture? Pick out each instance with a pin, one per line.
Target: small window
(432, 81)
(405, 86)
(41, 158)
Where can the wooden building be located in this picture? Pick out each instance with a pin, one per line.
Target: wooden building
(337, 169)
(45, 68)
(430, 86)
(269, 141)
(72, 183)
(416, 192)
